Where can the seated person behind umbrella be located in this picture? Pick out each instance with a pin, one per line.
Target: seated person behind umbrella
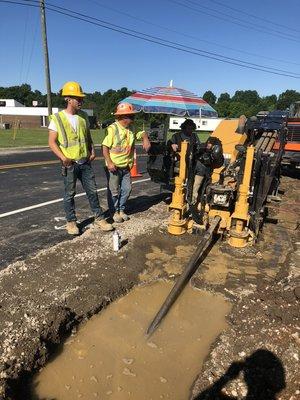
(208, 155)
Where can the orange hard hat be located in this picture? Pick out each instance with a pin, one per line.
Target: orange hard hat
(125, 109)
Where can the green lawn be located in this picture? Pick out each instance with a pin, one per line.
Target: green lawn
(203, 136)
(39, 137)
(35, 137)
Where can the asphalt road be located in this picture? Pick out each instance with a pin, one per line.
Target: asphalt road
(27, 179)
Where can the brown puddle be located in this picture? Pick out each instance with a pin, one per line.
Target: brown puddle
(110, 357)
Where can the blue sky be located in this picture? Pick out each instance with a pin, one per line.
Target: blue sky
(101, 59)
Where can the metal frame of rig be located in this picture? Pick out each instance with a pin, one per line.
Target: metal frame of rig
(238, 191)
(233, 202)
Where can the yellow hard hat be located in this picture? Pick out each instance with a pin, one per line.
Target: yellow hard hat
(72, 89)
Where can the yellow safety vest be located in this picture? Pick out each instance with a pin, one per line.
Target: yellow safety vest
(73, 145)
(121, 146)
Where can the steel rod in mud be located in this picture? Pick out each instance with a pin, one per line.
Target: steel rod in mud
(185, 276)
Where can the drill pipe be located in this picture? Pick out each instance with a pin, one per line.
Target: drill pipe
(184, 278)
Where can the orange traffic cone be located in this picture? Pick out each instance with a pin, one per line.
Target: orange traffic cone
(134, 171)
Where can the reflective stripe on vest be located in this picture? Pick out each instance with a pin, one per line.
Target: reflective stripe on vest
(117, 148)
(66, 141)
(63, 131)
(73, 144)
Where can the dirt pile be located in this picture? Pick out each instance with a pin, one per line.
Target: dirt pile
(42, 298)
(259, 355)
(46, 296)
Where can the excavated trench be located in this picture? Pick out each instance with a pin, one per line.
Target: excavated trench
(111, 357)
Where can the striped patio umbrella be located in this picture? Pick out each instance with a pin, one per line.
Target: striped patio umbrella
(170, 100)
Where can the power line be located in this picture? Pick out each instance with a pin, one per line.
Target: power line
(173, 43)
(159, 41)
(242, 20)
(252, 24)
(243, 24)
(31, 50)
(24, 42)
(254, 16)
(167, 41)
(190, 36)
(156, 40)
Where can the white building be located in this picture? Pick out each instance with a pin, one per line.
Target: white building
(14, 113)
(10, 103)
(202, 124)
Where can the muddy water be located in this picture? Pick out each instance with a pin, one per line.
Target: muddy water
(110, 357)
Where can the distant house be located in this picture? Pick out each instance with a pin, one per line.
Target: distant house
(14, 113)
(202, 124)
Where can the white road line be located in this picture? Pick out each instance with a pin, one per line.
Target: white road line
(47, 203)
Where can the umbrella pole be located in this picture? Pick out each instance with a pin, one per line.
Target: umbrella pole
(167, 124)
(146, 124)
(145, 121)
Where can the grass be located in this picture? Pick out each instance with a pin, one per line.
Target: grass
(39, 137)
(35, 137)
(203, 136)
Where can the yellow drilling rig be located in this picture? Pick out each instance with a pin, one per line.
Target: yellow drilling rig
(232, 203)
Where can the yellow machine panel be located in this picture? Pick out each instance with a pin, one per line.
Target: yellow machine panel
(226, 132)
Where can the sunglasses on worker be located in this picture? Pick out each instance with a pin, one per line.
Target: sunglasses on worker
(79, 99)
(131, 117)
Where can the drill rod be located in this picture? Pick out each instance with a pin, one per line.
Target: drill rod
(184, 278)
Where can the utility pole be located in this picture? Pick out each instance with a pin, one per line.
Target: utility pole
(46, 56)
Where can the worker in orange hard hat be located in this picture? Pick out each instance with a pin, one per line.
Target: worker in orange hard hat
(70, 140)
(118, 151)
(125, 109)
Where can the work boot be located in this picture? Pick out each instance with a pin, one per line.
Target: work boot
(72, 228)
(117, 217)
(124, 216)
(103, 224)
(197, 183)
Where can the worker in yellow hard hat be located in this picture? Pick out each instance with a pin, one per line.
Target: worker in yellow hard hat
(118, 151)
(70, 140)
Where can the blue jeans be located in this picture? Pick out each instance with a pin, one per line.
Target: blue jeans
(85, 174)
(118, 189)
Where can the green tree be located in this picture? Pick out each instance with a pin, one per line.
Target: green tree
(19, 93)
(224, 97)
(209, 97)
(223, 108)
(223, 105)
(237, 109)
(268, 103)
(249, 97)
(246, 102)
(57, 100)
(286, 98)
